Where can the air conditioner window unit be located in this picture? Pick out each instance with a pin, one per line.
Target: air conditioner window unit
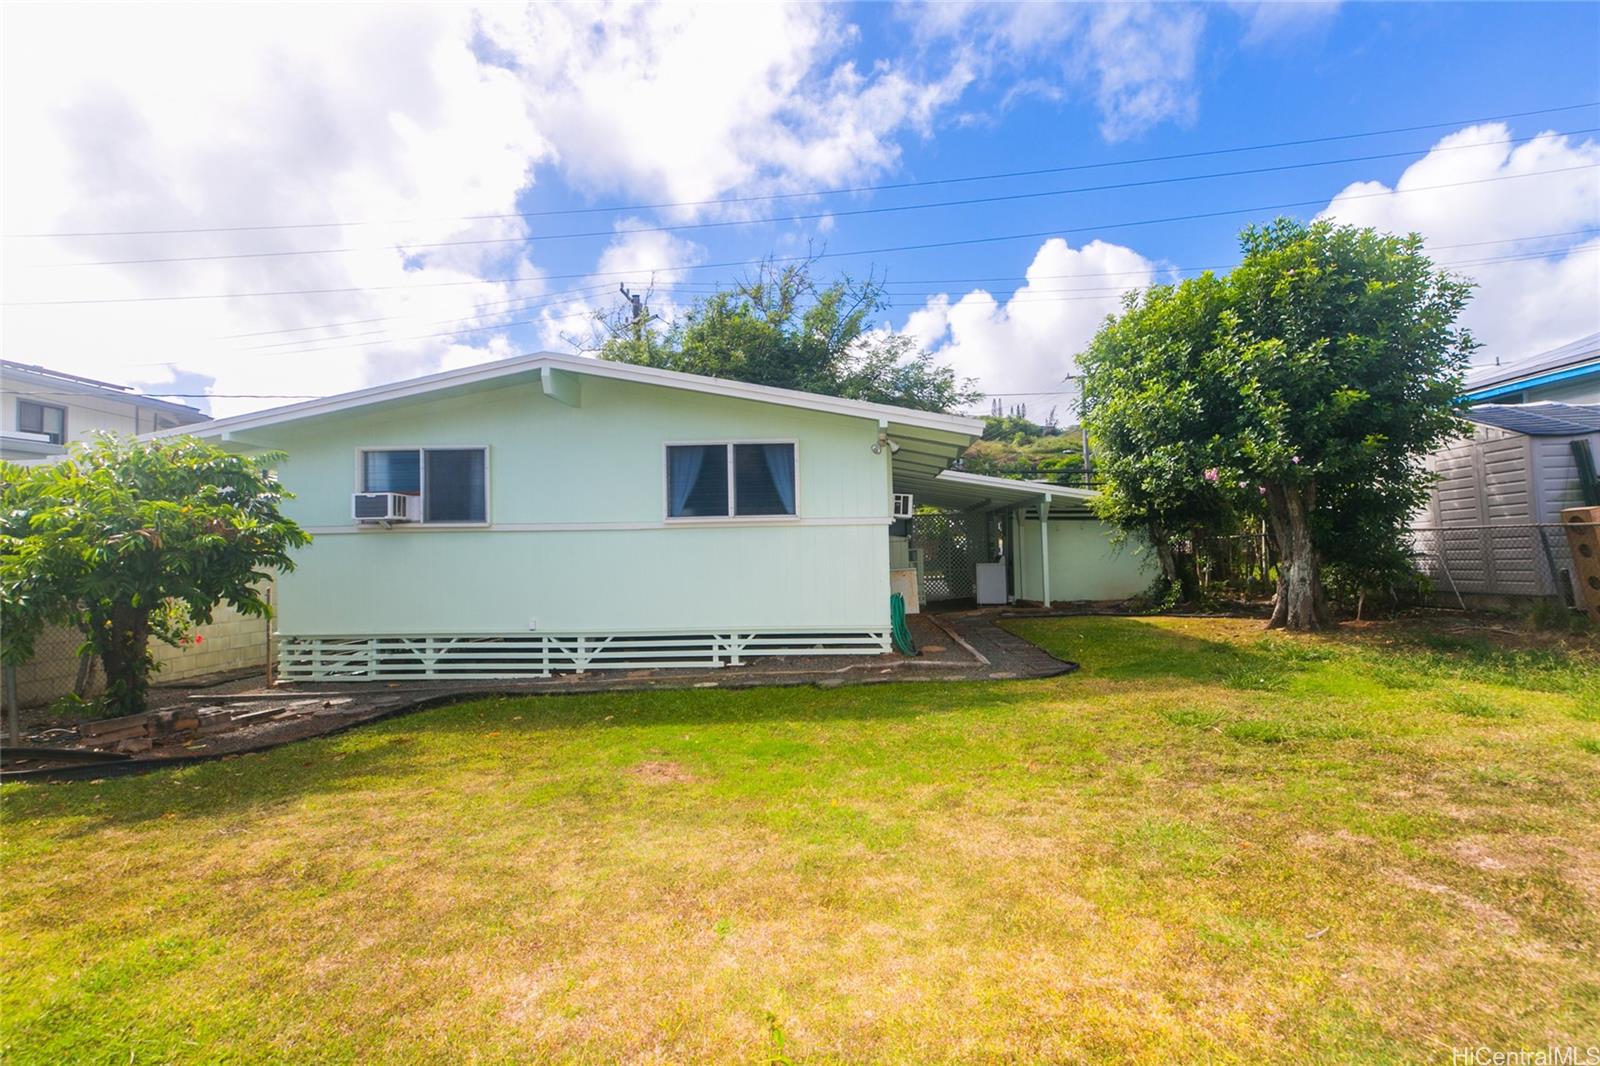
(385, 507)
(902, 505)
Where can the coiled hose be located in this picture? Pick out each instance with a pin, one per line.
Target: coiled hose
(897, 622)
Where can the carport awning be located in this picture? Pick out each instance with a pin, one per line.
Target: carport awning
(956, 490)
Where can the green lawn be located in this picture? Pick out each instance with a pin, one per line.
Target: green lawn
(1209, 844)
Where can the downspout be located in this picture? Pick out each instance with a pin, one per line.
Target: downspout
(1044, 547)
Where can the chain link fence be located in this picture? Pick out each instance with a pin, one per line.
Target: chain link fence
(1508, 561)
(230, 643)
(1496, 560)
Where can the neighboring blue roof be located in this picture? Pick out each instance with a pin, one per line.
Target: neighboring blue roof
(1580, 358)
(1539, 419)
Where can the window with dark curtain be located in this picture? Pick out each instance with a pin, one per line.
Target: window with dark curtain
(392, 471)
(697, 481)
(456, 485)
(763, 479)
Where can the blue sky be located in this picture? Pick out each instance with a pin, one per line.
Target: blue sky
(416, 122)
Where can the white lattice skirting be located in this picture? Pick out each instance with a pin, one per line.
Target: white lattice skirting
(488, 657)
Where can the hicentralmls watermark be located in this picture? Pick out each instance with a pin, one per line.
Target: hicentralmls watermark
(1570, 1055)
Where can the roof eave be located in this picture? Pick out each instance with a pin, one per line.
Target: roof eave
(959, 425)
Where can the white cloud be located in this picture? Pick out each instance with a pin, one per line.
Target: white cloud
(1137, 61)
(1277, 20)
(152, 116)
(686, 102)
(149, 116)
(1144, 62)
(1522, 305)
(1026, 343)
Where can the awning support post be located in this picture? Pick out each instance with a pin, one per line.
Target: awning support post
(1044, 546)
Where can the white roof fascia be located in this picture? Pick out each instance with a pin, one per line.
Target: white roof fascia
(954, 424)
(1022, 489)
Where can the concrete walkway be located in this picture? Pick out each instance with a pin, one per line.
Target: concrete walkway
(240, 718)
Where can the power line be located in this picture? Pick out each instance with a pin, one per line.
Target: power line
(549, 300)
(925, 246)
(699, 288)
(1106, 294)
(810, 217)
(731, 200)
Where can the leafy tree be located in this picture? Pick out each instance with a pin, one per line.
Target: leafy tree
(126, 540)
(1315, 376)
(781, 328)
(1146, 411)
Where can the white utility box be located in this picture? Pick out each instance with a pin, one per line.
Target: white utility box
(991, 584)
(904, 581)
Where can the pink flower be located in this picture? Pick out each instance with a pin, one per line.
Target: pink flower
(198, 638)
(1263, 489)
(1242, 484)
(1212, 475)
(1295, 460)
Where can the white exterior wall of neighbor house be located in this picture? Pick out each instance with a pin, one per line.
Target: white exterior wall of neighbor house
(91, 407)
(1582, 390)
(577, 539)
(1086, 564)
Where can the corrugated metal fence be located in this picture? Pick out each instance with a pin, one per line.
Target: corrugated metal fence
(1496, 560)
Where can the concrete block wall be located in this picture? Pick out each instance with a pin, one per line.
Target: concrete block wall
(232, 642)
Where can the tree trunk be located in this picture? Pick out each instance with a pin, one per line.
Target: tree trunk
(122, 639)
(1177, 569)
(1300, 604)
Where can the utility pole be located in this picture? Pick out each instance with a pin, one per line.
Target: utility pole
(641, 312)
(1083, 432)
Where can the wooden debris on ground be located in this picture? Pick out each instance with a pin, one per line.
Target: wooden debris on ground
(186, 727)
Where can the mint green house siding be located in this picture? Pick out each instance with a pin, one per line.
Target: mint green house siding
(577, 539)
(1085, 562)
(561, 553)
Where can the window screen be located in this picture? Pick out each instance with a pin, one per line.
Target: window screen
(456, 485)
(697, 481)
(763, 479)
(42, 418)
(398, 471)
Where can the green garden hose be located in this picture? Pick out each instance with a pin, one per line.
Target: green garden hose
(897, 621)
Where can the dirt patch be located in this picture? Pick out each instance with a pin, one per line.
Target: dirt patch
(660, 770)
(1485, 913)
(1475, 852)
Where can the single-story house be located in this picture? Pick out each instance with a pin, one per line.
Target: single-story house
(1491, 526)
(552, 512)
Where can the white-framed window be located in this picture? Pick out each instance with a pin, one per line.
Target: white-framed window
(451, 484)
(733, 479)
(45, 419)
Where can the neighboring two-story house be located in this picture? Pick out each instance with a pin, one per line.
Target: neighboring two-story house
(43, 410)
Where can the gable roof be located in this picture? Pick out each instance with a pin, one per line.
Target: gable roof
(1580, 358)
(532, 364)
(1539, 419)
